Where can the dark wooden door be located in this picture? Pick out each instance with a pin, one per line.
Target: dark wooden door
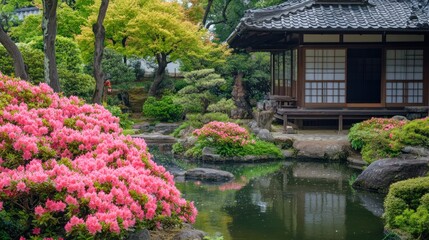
(364, 76)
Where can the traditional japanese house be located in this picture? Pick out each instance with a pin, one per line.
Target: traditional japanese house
(342, 59)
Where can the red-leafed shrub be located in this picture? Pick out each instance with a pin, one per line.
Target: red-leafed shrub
(67, 171)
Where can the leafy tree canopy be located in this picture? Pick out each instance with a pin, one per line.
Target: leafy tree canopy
(226, 19)
(69, 24)
(146, 28)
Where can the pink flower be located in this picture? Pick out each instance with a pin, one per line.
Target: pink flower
(36, 231)
(39, 210)
(21, 187)
(74, 154)
(93, 225)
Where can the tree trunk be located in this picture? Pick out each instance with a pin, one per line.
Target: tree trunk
(124, 44)
(161, 59)
(244, 110)
(99, 33)
(49, 26)
(12, 49)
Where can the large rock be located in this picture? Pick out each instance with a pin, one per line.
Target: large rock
(166, 128)
(208, 174)
(189, 233)
(265, 135)
(326, 149)
(164, 143)
(417, 151)
(264, 119)
(140, 235)
(382, 173)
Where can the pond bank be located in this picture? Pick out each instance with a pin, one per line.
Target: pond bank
(328, 145)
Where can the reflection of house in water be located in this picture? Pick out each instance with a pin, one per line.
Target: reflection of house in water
(310, 200)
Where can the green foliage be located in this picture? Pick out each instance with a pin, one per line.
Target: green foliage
(13, 223)
(69, 23)
(256, 73)
(229, 139)
(124, 120)
(375, 138)
(406, 207)
(33, 58)
(67, 52)
(234, 13)
(223, 106)
(136, 65)
(119, 73)
(378, 138)
(414, 133)
(129, 131)
(76, 84)
(256, 148)
(163, 110)
(178, 148)
(201, 90)
(29, 28)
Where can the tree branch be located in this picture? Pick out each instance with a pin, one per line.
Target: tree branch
(224, 17)
(207, 11)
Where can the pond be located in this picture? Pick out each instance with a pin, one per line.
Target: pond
(286, 200)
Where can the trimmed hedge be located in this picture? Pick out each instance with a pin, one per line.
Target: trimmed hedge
(407, 208)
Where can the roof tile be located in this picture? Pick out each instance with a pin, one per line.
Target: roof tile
(307, 14)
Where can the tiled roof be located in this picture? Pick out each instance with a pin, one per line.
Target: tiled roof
(308, 14)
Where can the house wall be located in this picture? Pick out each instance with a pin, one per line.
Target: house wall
(307, 94)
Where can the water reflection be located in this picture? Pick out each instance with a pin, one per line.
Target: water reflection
(288, 201)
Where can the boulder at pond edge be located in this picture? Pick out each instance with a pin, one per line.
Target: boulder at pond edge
(379, 175)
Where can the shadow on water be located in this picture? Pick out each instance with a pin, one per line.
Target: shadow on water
(306, 200)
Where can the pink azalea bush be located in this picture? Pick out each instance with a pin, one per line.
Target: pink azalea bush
(229, 139)
(223, 133)
(66, 171)
(375, 138)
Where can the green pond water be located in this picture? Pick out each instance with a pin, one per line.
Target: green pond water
(287, 200)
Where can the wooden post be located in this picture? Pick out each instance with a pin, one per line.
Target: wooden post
(284, 123)
(340, 123)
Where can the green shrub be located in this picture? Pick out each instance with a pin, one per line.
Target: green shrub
(67, 52)
(375, 139)
(200, 91)
(406, 207)
(124, 120)
(76, 84)
(223, 106)
(33, 59)
(178, 148)
(414, 133)
(229, 139)
(163, 110)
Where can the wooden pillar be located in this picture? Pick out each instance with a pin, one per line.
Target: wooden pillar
(284, 123)
(340, 123)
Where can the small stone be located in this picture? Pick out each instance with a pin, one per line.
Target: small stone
(288, 153)
(290, 130)
(399, 118)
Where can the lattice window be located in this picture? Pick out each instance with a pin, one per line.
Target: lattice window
(325, 75)
(283, 73)
(404, 75)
